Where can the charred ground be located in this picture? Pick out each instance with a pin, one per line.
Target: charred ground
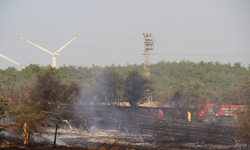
(140, 128)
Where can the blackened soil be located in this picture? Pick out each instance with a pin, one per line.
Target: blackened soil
(173, 127)
(168, 132)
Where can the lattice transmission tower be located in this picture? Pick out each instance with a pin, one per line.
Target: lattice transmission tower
(148, 46)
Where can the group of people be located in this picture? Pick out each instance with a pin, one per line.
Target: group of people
(161, 114)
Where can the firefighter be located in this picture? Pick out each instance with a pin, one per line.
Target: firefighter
(25, 134)
(189, 116)
(161, 114)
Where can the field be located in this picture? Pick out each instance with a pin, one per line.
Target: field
(107, 127)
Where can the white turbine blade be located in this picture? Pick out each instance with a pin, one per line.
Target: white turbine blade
(60, 49)
(12, 60)
(36, 45)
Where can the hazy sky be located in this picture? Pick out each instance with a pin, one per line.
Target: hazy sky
(113, 29)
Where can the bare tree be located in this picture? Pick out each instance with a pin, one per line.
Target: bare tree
(240, 96)
(34, 104)
(49, 92)
(187, 95)
(135, 88)
(110, 90)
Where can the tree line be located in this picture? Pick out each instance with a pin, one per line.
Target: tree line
(178, 84)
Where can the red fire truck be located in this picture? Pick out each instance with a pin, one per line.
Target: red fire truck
(211, 113)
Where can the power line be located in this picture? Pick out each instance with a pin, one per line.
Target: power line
(111, 43)
(203, 55)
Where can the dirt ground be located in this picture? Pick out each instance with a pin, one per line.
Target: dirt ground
(125, 128)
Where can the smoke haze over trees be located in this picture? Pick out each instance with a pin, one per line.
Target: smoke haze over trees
(174, 83)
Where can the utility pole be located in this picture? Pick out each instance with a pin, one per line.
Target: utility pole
(148, 46)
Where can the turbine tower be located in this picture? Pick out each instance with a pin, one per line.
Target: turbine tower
(1, 55)
(47, 51)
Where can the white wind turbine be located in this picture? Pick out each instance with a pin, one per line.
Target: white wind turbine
(53, 54)
(5, 57)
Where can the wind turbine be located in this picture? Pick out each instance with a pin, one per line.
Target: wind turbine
(53, 54)
(5, 57)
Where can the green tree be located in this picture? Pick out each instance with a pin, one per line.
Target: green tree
(4, 108)
(9, 79)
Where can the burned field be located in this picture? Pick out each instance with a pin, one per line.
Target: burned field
(141, 128)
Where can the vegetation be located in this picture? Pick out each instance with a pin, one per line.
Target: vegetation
(4, 108)
(242, 95)
(135, 87)
(110, 86)
(178, 84)
(35, 103)
(244, 127)
(33, 94)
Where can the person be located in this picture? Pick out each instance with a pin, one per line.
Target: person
(161, 114)
(189, 115)
(25, 134)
